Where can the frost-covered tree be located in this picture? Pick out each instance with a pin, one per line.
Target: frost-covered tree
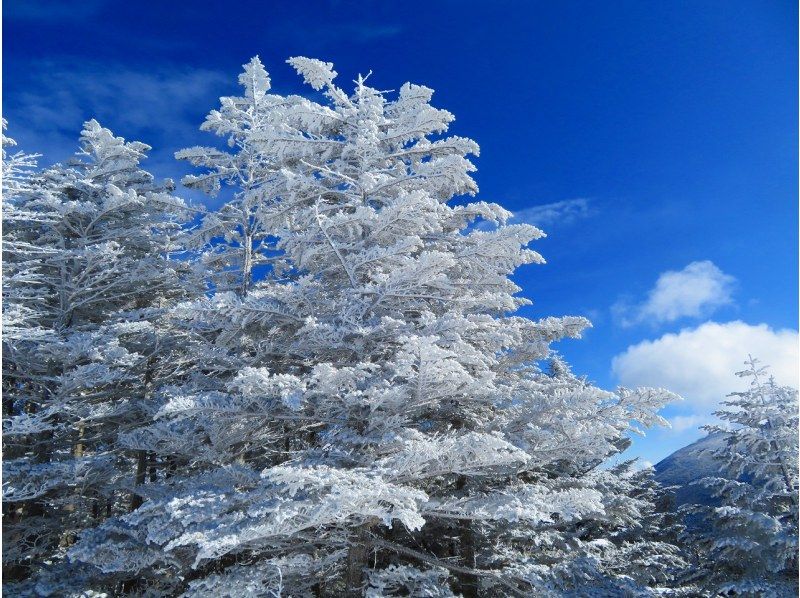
(749, 543)
(17, 183)
(382, 425)
(235, 240)
(627, 546)
(87, 276)
(17, 167)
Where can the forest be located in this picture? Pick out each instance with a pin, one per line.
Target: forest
(322, 388)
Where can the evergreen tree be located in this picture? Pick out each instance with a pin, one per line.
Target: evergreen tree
(87, 276)
(234, 240)
(382, 425)
(748, 545)
(626, 547)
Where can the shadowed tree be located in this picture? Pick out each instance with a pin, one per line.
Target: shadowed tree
(87, 276)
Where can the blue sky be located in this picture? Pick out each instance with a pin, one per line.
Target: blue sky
(655, 142)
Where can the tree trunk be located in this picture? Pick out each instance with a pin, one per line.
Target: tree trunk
(141, 455)
(357, 556)
(247, 267)
(77, 450)
(153, 468)
(468, 583)
(141, 470)
(68, 537)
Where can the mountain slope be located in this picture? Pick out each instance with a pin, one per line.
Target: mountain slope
(689, 464)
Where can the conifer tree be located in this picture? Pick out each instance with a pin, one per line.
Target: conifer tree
(87, 275)
(234, 240)
(383, 425)
(748, 545)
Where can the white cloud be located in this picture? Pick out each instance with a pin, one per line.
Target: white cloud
(700, 363)
(696, 291)
(681, 423)
(559, 212)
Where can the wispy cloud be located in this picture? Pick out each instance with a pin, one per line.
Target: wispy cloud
(560, 212)
(695, 291)
(154, 105)
(546, 216)
(681, 423)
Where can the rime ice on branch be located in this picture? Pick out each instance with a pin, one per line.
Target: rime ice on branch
(87, 279)
(358, 409)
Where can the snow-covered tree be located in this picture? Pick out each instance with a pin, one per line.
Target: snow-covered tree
(383, 425)
(626, 546)
(235, 240)
(87, 276)
(17, 167)
(749, 543)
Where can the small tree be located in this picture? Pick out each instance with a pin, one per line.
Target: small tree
(749, 544)
(235, 241)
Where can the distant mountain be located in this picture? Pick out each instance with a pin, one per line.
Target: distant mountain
(689, 464)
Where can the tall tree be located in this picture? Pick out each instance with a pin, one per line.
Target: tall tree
(388, 425)
(87, 275)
